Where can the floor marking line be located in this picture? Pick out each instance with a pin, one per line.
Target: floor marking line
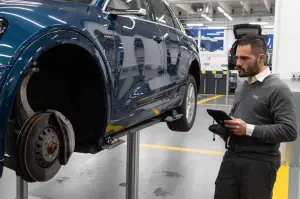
(281, 187)
(209, 99)
(173, 148)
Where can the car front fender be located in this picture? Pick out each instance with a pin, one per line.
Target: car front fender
(12, 75)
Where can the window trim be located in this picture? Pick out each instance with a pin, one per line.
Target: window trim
(152, 16)
(166, 5)
(173, 15)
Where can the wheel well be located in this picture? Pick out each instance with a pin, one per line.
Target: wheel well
(195, 71)
(70, 81)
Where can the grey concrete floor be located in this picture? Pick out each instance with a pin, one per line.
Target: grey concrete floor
(185, 172)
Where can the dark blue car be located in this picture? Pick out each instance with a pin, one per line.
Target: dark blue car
(77, 75)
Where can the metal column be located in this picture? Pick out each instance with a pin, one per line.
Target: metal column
(22, 188)
(132, 175)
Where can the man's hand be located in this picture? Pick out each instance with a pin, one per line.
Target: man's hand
(237, 126)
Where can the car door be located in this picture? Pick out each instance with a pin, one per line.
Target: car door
(139, 71)
(176, 46)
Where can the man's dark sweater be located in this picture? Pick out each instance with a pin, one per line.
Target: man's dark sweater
(270, 106)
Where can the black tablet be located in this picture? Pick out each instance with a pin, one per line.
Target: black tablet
(219, 116)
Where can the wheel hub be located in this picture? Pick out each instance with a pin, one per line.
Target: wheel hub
(38, 149)
(47, 147)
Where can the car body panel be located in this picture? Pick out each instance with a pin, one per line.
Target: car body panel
(138, 71)
(143, 77)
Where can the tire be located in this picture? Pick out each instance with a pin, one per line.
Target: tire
(185, 123)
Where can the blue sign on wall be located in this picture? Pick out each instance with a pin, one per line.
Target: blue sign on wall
(212, 33)
(269, 39)
(211, 39)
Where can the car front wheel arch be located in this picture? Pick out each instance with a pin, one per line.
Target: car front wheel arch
(69, 80)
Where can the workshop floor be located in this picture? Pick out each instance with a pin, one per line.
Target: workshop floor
(172, 165)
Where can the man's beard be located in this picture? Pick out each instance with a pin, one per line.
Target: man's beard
(251, 70)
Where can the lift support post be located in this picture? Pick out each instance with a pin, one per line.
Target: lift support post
(132, 167)
(22, 188)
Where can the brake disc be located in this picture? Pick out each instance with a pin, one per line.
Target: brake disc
(38, 148)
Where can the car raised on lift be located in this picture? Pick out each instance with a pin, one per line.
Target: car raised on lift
(76, 75)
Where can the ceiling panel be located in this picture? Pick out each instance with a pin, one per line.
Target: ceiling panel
(254, 10)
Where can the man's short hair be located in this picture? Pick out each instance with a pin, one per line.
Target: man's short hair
(257, 43)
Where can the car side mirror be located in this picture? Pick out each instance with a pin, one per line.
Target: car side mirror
(117, 7)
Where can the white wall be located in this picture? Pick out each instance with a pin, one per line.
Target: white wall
(214, 60)
(286, 42)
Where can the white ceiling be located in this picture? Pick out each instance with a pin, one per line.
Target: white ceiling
(239, 11)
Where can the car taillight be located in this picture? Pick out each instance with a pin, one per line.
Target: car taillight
(3, 25)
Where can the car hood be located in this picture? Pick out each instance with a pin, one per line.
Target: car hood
(27, 19)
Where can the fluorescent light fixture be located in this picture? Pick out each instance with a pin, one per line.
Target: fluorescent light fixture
(224, 13)
(194, 24)
(206, 17)
(268, 26)
(220, 9)
(228, 16)
(259, 22)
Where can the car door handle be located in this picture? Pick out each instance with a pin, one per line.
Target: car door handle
(158, 39)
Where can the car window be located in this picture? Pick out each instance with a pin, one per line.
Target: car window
(121, 5)
(161, 12)
(175, 21)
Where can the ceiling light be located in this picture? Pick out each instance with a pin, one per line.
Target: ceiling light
(194, 24)
(260, 23)
(268, 26)
(206, 17)
(220, 9)
(224, 13)
(228, 16)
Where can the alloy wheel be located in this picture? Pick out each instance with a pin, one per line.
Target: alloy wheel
(190, 103)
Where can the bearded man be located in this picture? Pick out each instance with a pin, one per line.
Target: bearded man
(263, 116)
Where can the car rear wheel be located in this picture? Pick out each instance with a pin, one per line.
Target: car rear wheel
(188, 108)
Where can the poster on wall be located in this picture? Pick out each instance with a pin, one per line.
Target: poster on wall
(212, 40)
(269, 41)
